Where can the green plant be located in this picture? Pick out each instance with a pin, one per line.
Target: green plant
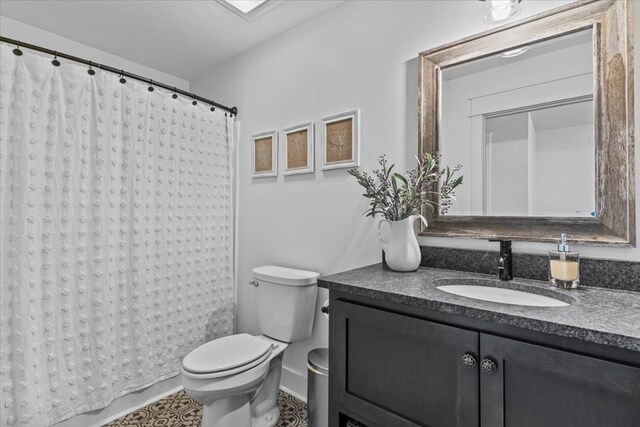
(397, 197)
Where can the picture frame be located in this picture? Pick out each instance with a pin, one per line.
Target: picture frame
(264, 155)
(341, 140)
(298, 147)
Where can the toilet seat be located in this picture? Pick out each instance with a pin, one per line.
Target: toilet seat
(226, 356)
(227, 373)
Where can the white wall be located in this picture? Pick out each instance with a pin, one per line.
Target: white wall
(33, 35)
(362, 54)
(29, 34)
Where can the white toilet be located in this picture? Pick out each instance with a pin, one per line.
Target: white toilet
(236, 378)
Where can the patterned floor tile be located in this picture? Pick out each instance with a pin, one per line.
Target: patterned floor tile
(179, 410)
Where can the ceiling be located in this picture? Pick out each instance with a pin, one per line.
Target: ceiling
(184, 38)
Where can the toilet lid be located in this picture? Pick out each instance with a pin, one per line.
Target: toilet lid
(225, 353)
(285, 276)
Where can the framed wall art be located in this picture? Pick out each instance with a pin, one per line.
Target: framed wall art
(341, 140)
(299, 149)
(264, 155)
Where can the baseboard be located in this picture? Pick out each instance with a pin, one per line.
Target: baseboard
(125, 404)
(294, 383)
(149, 401)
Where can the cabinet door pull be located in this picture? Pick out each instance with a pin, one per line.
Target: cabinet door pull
(489, 365)
(469, 360)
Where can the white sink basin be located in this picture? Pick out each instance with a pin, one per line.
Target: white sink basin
(502, 295)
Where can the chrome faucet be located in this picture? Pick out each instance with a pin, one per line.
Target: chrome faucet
(505, 272)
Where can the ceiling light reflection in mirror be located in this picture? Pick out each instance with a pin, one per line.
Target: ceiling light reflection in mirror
(245, 6)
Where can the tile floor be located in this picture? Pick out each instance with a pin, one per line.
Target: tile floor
(179, 410)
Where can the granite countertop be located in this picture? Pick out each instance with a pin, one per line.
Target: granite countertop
(597, 315)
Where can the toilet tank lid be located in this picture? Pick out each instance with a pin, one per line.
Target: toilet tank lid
(285, 276)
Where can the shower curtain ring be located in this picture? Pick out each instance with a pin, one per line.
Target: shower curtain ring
(194, 102)
(151, 88)
(175, 95)
(17, 51)
(122, 79)
(55, 61)
(90, 71)
(212, 108)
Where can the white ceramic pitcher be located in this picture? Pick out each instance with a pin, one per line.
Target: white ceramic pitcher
(400, 244)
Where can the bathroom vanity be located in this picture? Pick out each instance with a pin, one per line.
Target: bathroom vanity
(406, 353)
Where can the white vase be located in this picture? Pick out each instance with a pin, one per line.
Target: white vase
(400, 244)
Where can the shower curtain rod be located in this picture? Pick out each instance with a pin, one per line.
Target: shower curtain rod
(19, 44)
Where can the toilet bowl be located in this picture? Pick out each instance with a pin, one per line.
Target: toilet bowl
(242, 394)
(236, 378)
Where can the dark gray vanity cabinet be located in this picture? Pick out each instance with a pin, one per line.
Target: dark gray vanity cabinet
(535, 386)
(396, 370)
(392, 369)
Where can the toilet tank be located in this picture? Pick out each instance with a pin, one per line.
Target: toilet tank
(285, 302)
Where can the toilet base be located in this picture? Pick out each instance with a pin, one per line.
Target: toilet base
(235, 412)
(270, 419)
(230, 412)
(264, 407)
(254, 404)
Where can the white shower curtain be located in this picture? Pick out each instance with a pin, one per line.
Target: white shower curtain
(117, 236)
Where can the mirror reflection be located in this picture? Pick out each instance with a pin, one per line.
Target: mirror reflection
(522, 124)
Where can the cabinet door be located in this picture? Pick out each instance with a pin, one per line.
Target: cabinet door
(397, 370)
(536, 386)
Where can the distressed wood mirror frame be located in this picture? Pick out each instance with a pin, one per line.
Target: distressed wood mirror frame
(611, 21)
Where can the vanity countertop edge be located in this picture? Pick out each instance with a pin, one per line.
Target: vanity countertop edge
(597, 315)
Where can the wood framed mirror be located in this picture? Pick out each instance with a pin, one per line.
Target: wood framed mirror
(539, 113)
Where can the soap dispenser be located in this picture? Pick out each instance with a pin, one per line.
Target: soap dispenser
(564, 266)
